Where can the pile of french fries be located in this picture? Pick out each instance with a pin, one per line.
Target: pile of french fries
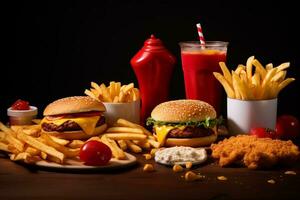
(26, 143)
(125, 135)
(245, 84)
(115, 92)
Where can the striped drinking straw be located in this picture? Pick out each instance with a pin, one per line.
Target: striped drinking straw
(200, 33)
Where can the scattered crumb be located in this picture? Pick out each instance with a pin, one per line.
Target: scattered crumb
(222, 178)
(147, 156)
(148, 168)
(177, 168)
(188, 165)
(191, 176)
(271, 181)
(290, 173)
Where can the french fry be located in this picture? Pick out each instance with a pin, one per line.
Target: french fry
(126, 136)
(283, 66)
(153, 143)
(133, 147)
(33, 130)
(12, 149)
(284, 83)
(91, 94)
(4, 147)
(236, 89)
(19, 145)
(32, 151)
(44, 155)
(112, 89)
(41, 146)
(116, 99)
(2, 136)
(270, 74)
(122, 144)
(68, 152)
(116, 151)
(143, 144)
(121, 96)
(26, 157)
(279, 76)
(136, 94)
(105, 93)
(240, 86)
(126, 123)
(249, 67)
(226, 72)
(225, 84)
(53, 159)
(128, 87)
(269, 66)
(97, 138)
(59, 140)
(124, 130)
(7, 130)
(259, 68)
(76, 144)
(239, 69)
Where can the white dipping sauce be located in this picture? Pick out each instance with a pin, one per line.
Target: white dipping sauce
(180, 155)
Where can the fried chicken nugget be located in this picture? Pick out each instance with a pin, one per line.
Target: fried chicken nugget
(254, 152)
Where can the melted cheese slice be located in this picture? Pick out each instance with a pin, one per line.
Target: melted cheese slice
(162, 132)
(87, 124)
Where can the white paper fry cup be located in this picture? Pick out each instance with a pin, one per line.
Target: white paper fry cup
(129, 111)
(244, 115)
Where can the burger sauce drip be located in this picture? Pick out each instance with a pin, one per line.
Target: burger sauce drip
(153, 66)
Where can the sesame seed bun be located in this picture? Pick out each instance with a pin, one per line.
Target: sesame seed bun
(183, 110)
(74, 104)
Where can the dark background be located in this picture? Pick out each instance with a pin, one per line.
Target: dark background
(60, 47)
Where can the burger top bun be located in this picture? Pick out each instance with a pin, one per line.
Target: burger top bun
(74, 104)
(183, 110)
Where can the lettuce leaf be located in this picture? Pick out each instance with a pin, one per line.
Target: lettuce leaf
(207, 123)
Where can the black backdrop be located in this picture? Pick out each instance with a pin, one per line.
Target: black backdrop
(61, 46)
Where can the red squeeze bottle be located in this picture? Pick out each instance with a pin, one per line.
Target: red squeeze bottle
(153, 66)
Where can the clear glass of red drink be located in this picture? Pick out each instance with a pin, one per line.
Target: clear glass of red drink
(198, 64)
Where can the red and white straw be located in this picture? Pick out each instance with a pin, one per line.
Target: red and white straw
(200, 33)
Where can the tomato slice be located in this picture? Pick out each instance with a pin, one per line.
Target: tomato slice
(95, 153)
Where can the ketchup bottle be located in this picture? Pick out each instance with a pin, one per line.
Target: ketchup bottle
(153, 66)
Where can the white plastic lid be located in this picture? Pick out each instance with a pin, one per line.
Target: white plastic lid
(22, 113)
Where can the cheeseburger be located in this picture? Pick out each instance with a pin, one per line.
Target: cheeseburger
(78, 117)
(184, 123)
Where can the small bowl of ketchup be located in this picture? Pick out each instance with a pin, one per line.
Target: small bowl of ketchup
(21, 113)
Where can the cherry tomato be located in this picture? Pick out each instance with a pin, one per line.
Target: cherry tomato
(288, 126)
(20, 105)
(95, 153)
(263, 132)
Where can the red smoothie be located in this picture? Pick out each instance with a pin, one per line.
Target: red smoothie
(198, 67)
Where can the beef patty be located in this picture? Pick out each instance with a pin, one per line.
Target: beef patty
(189, 132)
(68, 126)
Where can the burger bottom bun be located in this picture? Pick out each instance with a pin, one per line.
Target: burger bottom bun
(77, 135)
(191, 142)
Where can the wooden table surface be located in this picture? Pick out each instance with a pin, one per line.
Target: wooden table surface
(20, 182)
